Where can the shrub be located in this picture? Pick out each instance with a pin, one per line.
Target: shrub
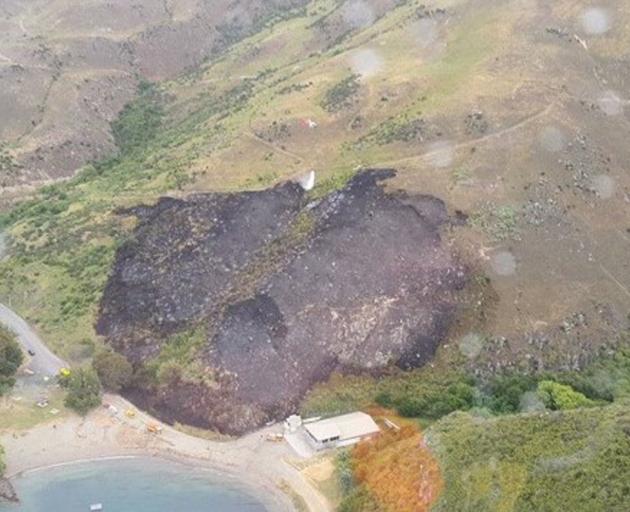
(384, 399)
(457, 396)
(140, 120)
(83, 391)
(11, 358)
(341, 95)
(607, 378)
(359, 500)
(505, 392)
(345, 476)
(558, 396)
(113, 370)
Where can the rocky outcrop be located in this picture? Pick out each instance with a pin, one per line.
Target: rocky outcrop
(284, 289)
(7, 492)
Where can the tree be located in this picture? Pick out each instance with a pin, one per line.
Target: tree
(113, 370)
(506, 392)
(558, 396)
(83, 391)
(458, 396)
(11, 358)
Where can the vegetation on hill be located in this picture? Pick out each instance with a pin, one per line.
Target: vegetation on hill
(492, 456)
(571, 460)
(11, 357)
(139, 121)
(443, 387)
(62, 242)
(341, 95)
(393, 472)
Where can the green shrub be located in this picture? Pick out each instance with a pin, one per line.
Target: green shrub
(11, 358)
(113, 370)
(384, 399)
(341, 95)
(140, 120)
(344, 472)
(83, 391)
(607, 378)
(558, 396)
(459, 396)
(403, 129)
(2, 463)
(359, 500)
(505, 392)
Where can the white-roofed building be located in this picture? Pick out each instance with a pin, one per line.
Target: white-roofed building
(340, 430)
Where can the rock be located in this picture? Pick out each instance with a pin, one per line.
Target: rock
(7, 492)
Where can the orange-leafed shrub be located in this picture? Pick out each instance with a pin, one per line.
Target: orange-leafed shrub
(398, 470)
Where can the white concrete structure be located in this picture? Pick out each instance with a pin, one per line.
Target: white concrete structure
(340, 430)
(292, 424)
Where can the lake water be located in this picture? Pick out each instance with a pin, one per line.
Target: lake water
(130, 485)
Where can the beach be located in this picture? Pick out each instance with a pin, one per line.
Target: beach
(262, 466)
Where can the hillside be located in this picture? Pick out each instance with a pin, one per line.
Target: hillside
(68, 68)
(236, 304)
(504, 123)
(571, 460)
(237, 122)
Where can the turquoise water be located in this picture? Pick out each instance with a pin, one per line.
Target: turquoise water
(130, 485)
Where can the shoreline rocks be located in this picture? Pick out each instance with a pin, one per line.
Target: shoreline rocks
(7, 492)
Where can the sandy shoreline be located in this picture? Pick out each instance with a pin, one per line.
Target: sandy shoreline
(269, 497)
(252, 463)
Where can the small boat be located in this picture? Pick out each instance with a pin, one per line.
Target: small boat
(96, 506)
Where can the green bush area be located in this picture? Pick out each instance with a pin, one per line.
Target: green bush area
(140, 120)
(83, 390)
(404, 129)
(570, 452)
(11, 358)
(558, 396)
(341, 95)
(574, 460)
(438, 398)
(434, 391)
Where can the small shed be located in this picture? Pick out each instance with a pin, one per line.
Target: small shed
(340, 430)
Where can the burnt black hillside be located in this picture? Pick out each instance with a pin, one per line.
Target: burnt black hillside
(236, 304)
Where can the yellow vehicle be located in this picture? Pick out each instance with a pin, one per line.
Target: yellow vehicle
(130, 413)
